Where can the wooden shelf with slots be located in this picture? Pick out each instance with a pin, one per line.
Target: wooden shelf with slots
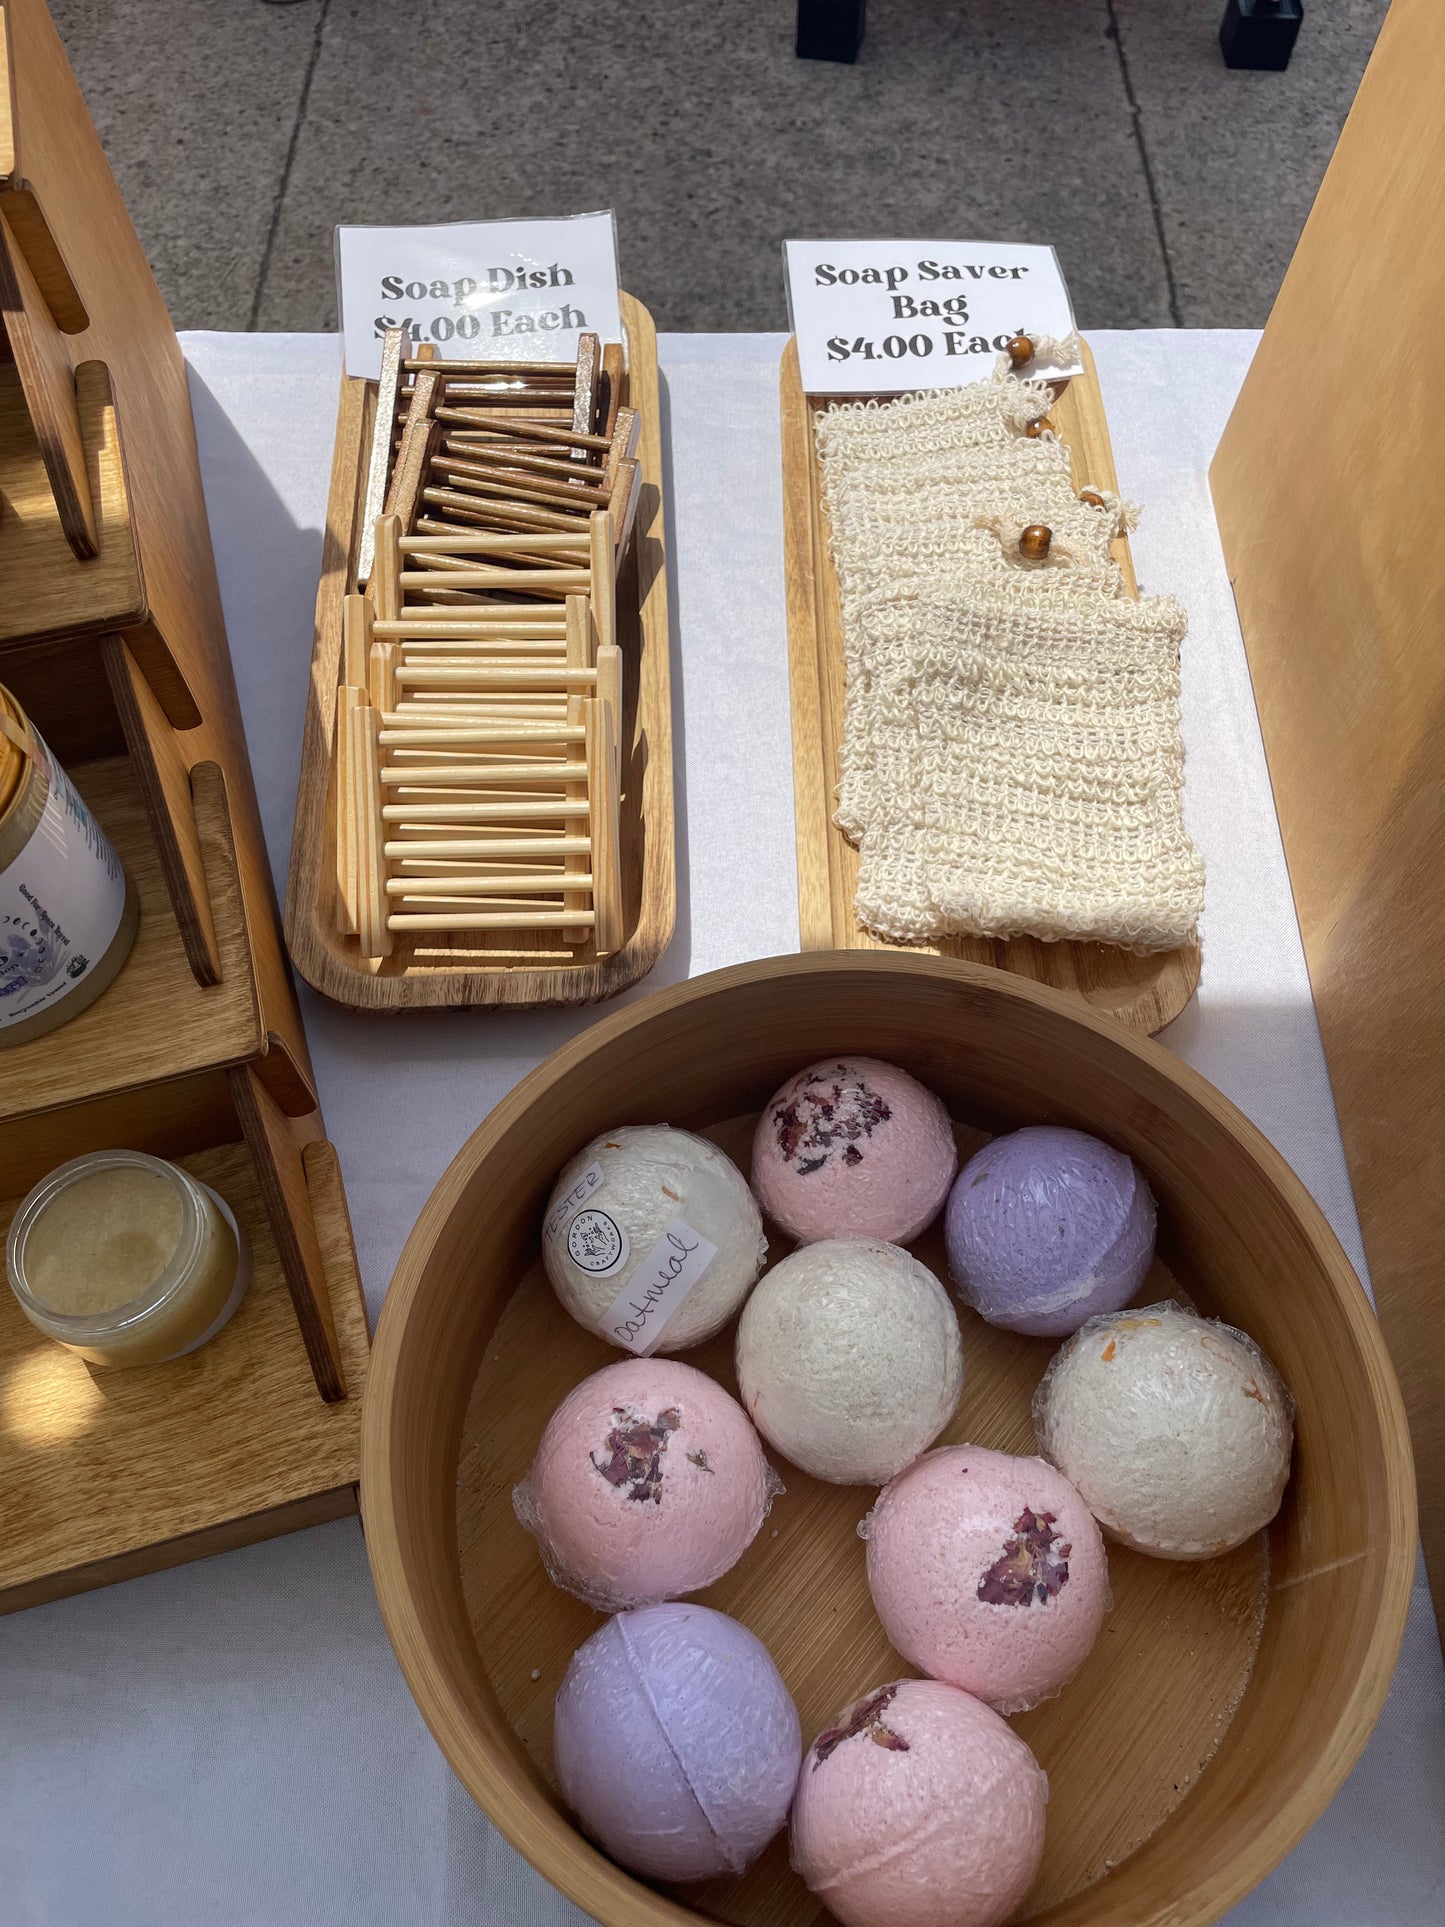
(113, 642)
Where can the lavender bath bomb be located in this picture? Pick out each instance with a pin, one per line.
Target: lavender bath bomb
(1047, 1227)
(649, 1482)
(919, 1805)
(988, 1572)
(1176, 1429)
(676, 1742)
(652, 1238)
(849, 1359)
(853, 1148)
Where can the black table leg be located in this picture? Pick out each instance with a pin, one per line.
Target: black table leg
(830, 29)
(1260, 33)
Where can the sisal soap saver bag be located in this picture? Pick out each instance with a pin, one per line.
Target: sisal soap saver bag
(1013, 767)
(908, 484)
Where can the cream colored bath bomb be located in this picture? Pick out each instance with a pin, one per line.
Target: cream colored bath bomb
(631, 1223)
(1176, 1429)
(849, 1359)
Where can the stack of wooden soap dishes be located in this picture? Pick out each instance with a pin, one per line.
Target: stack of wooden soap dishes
(478, 725)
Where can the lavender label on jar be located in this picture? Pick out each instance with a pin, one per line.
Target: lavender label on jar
(661, 1281)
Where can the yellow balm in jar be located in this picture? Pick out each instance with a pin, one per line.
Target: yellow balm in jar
(126, 1259)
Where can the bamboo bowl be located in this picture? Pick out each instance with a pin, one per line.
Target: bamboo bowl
(1224, 1702)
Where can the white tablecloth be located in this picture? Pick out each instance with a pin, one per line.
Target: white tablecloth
(231, 1744)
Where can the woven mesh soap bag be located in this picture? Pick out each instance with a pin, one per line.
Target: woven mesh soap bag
(1013, 766)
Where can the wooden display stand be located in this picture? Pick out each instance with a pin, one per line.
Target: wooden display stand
(111, 636)
(1331, 500)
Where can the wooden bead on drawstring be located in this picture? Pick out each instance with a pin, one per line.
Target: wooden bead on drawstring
(1035, 542)
(1020, 351)
(1034, 429)
(1092, 496)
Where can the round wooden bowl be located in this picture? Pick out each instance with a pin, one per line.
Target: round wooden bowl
(1224, 1702)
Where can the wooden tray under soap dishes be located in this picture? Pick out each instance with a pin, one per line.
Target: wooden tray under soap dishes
(485, 807)
(1144, 992)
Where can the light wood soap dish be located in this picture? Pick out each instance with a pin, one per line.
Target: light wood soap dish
(401, 893)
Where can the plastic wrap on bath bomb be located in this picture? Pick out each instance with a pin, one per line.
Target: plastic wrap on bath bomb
(919, 1807)
(652, 1238)
(1176, 1429)
(988, 1572)
(1047, 1227)
(649, 1482)
(676, 1742)
(849, 1359)
(853, 1148)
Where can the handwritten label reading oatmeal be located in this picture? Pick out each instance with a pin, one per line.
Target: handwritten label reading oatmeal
(659, 1285)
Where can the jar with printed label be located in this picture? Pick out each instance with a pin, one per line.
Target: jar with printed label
(68, 908)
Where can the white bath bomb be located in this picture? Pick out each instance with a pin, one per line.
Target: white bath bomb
(849, 1359)
(659, 1226)
(1176, 1429)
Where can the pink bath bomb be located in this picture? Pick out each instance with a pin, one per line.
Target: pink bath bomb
(649, 1482)
(989, 1572)
(676, 1742)
(853, 1148)
(919, 1805)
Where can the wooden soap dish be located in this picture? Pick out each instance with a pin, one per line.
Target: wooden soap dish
(1144, 992)
(485, 808)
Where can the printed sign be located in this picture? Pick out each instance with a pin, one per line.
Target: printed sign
(656, 1288)
(886, 317)
(479, 290)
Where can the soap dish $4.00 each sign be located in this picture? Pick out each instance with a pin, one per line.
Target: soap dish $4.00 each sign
(886, 317)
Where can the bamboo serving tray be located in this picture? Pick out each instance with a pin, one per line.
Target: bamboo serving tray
(1144, 992)
(509, 968)
(1224, 1701)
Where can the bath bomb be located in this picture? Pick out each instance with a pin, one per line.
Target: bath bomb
(1046, 1227)
(988, 1572)
(1176, 1429)
(649, 1482)
(676, 1742)
(919, 1805)
(849, 1359)
(652, 1238)
(853, 1148)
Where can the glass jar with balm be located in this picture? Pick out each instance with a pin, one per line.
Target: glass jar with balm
(68, 908)
(126, 1259)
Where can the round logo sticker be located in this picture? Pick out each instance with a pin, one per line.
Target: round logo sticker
(596, 1243)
